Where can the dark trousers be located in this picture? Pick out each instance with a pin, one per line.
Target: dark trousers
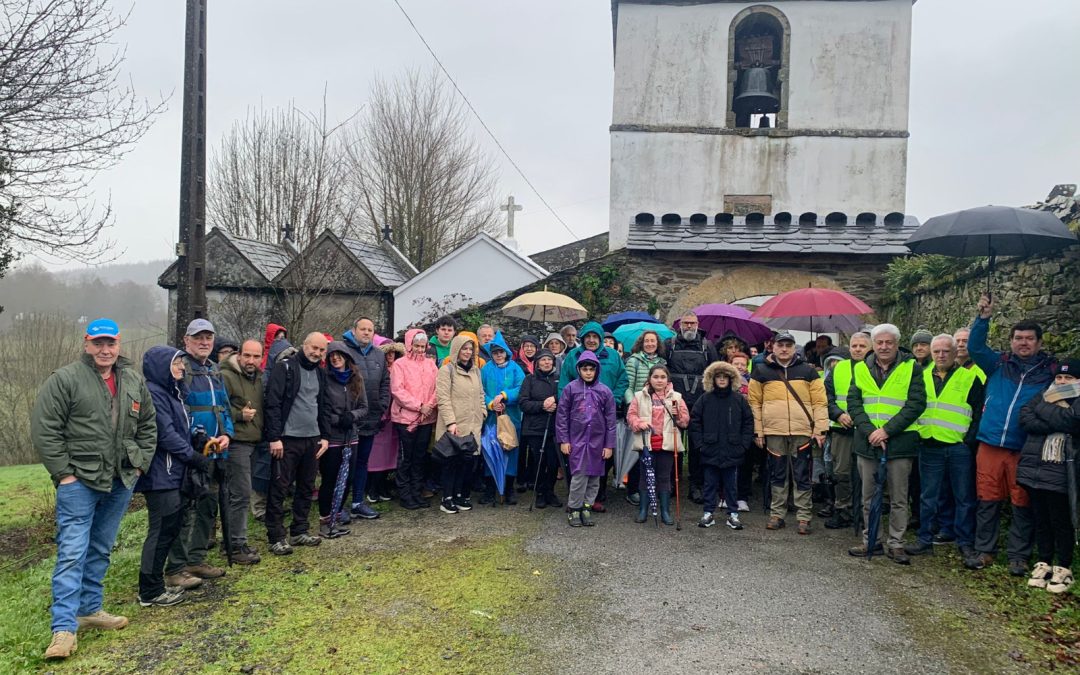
(296, 465)
(545, 454)
(663, 465)
(1054, 532)
(609, 466)
(755, 457)
(193, 543)
(695, 471)
(260, 469)
(947, 467)
(412, 459)
(361, 454)
(717, 478)
(166, 513)
(1021, 531)
(329, 466)
(240, 455)
(453, 474)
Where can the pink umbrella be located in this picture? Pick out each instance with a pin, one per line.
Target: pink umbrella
(814, 309)
(717, 320)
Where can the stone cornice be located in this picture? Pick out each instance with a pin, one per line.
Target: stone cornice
(770, 133)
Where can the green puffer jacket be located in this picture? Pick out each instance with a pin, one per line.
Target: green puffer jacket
(74, 433)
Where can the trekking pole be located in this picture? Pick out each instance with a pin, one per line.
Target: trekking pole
(540, 463)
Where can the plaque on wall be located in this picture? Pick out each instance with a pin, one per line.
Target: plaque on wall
(742, 205)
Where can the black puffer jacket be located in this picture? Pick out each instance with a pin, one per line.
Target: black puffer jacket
(1040, 419)
(687, 360)
(721, 423)
(534, 391)
(341, 409)
(372, 367)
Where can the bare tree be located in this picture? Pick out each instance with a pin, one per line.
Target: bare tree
(417, 169)
(65, 115)
(280, 167)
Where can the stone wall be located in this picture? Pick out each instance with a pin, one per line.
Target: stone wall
(1043, 288)
(569, 255)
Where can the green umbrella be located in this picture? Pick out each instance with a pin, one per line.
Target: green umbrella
(629, 333)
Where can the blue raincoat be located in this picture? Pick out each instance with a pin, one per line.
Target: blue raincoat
(505, 379)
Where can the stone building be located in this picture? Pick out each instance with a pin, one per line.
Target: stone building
(323, 286)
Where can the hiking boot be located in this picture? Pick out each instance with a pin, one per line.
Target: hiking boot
(423, 503)
(540, 502)
(634, 498)
(941, 539)
(1061, 580)
(281, 548)
(447, 506)
(364, 511)
(410, 504)
(860, 550)
(1018, 568)
(919, 548)
(165, 599)
(696, 496)
(979, 561)
(838, 521)
(205, 571)
(742, 506)
(586, 517)
(826, 511)
(898, 556)
(966, 552)
(733, 521)
(707, 520)
(426, 493)
(102, 620)
(598, 507)
(775, 523)
(462, 503)
(574, 518)
(1040, 575)
(304, 539)
(245, 555)
(326, 531)
(510, 498)
(552, 500)
(64, 644)
(183, 580)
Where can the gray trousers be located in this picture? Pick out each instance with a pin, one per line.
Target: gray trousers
(239, 491)
(840, 445)
(897, 472)
(583, 490)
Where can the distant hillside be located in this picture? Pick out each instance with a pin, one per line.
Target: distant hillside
(142, 273)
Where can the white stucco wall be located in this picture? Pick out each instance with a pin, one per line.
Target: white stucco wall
(849, 70)
(481, 273)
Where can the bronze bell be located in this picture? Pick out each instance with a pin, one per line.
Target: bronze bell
(756, 95)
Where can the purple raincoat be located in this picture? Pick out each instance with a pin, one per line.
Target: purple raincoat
(585, 419)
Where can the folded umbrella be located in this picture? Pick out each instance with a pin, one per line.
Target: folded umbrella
(493, 454)
(629, 333)
(873, 519)
(625, 455)
(613, 321)
(719, 319)
(339, 486)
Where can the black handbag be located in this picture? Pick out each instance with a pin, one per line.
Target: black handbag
(450, 446)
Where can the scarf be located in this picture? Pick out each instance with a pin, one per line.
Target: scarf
(1056, 444)
(342, 376)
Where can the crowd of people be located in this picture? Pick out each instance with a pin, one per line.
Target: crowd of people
(949, 428)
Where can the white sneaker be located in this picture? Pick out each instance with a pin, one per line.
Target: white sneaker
(743, 506)
(706, 520)
(1061, 580)
(733, 521)
(723, 504)
(1039, 575)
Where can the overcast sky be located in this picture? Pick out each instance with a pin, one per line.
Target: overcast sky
(993, 108)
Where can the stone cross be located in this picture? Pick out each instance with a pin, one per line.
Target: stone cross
(510, 207)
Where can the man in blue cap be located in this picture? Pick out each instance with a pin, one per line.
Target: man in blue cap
(94, 427)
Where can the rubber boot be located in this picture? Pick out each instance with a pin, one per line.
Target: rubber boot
(643, 510)
(665, 508)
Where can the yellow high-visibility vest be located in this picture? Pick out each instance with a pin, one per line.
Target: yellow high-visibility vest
(841, 378)
(883, 403)
(947, 417)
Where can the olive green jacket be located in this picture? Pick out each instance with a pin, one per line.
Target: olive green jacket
(79, 429)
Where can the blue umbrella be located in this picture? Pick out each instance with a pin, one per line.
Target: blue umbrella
(629, 333)
(494, 455)
(622, 318)
(873, 519)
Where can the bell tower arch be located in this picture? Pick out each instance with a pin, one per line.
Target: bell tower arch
(759, 55)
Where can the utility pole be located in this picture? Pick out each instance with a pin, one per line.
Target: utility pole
(191, 272)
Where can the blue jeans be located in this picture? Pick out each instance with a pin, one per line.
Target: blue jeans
(86, 525)
(938, 464)
(359, 468)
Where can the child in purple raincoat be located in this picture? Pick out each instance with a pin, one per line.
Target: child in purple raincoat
(585, 430)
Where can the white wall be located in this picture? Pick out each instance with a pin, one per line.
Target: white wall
(481, 273)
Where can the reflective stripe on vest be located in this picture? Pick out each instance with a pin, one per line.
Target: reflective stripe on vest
(883, 403)
(947, 416)
(841, 377)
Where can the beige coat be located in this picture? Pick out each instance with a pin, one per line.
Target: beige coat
(460, 395)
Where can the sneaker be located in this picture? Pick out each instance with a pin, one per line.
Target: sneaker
(574, 518)
(1061, 580)
(733, 521)
(245, 555)
(281, 548)
(775, 523)
(1040, 575)
(586, 517)
(860, 550)
(370, 499)
(463, 503)
(552, 500)
(366, 512)
(634, 498)
(344, 517)
(919, 548)
(326, 531)
(1018, 568)
(743, 506)
(941, 539)
(102, 620)
(804, 527)
(304, 539)
(64, 644)
(205, 571)
(722, 504)
(447, 506)
(707, 520)
(598, 507)
(838, 521)
(385, 497)
(165, 599)
(183, 580)
(979, 561)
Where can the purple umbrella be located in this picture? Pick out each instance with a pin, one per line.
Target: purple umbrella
(718, 320)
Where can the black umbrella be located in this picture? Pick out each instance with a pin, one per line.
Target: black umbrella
(991, 231)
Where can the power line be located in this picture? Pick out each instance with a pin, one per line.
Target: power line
(484, 124)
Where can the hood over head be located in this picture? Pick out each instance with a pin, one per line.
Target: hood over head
(458, 342)
(278, 350)
(395, 347)
(220, 343)
(588, 357)
(340, 348)
(720, 368)
(555, 336)
(500, 342)
(410, 335)
(157, 364)
(591, 327)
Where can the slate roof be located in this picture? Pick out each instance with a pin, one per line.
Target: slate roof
(379, 262)
(773, 234)
(267, 259)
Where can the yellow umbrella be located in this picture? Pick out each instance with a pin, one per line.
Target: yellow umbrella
(545, 306)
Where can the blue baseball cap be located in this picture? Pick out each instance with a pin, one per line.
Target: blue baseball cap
(102, 328)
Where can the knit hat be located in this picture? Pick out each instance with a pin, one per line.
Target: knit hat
(541, 354)
(922, 336)
(1069, 366)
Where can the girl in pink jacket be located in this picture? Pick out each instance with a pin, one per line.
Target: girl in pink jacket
(413, 412)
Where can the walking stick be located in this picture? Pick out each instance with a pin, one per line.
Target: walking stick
(540, 463)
